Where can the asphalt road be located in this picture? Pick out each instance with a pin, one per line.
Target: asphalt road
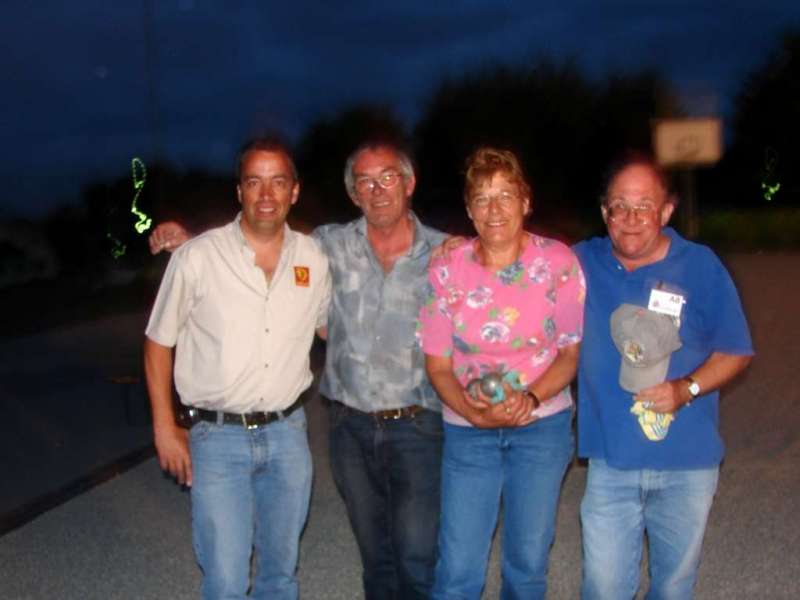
(67, 415)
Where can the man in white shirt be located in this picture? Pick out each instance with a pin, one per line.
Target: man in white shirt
(239, 304)
(386, 424)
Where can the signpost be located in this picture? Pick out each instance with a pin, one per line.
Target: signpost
(684, 144)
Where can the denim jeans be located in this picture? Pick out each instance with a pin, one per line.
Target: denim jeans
(250, 493)
(524, 467)
(388, 473)
(619, 506)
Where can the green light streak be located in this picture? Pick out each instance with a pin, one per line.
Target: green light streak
(768, 174)
(139, 177)
(119, 248)
(770, 190)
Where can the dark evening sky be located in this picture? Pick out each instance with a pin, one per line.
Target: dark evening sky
(80, 98)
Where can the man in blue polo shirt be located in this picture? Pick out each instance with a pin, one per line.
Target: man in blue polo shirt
(663, 331)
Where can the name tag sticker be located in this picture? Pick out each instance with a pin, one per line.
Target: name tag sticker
(302, 276)
(666, 303)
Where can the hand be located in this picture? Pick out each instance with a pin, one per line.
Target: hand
(515, 411)
(167, 236)
(447, 246)
(665, 397)
(172, 445)
(523, 414)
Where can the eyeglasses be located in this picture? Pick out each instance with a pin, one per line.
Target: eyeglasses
(619, 210)
(386, 180)
(504, 199)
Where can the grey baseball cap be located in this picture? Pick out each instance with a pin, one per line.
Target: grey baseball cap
(645, 339)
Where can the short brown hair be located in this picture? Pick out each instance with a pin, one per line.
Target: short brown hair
(485, 162)
(266, 143)
(631, 158)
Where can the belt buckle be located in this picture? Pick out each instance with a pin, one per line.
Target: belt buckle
(247, 423)
(390, 414)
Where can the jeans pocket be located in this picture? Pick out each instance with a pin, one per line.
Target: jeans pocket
(199, 432)
(429, 423)
(336, 414)
(556, 437)
(297, 420)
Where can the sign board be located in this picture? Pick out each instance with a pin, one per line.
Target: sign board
(687, 142)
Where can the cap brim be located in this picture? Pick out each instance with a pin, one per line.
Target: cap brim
(634, 379)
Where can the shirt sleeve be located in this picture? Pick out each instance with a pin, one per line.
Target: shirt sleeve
(570, 298)
(435, 321)
(723, 313)
(172, 304)
(320, 234)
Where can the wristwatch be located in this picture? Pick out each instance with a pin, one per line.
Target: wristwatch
(693, 387)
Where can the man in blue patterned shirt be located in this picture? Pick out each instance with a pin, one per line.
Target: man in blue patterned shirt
(386, 426)
(386, 430)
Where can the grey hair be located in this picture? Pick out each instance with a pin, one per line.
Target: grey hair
(406, 166)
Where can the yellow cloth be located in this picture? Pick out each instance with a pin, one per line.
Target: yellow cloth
(655, 425)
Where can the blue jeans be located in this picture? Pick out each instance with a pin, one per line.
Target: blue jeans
(619, 506)
(250, 492)
(388, 473)
(525, 467)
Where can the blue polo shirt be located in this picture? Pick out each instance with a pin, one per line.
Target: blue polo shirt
(712, 320)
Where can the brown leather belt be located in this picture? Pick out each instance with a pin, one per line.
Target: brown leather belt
(251, 420)
(390, 414)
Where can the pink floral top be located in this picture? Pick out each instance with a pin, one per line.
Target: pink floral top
(511, 320)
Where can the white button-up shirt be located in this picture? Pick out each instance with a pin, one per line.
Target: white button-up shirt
(241, 343)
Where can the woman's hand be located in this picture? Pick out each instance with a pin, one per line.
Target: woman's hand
(515, 411)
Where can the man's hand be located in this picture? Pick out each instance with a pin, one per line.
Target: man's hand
(665, 397)
(172, 442)
(172, 445)
(446, 247)
(167, 236)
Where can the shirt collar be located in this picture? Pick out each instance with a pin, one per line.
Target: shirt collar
(677, 244)
(289, 236)
(421, 244)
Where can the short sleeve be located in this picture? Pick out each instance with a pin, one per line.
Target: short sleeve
(171, 307)
(727, 329)
(570, 298)
(435, 321)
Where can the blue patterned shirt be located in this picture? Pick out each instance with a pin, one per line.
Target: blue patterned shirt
(373, 359)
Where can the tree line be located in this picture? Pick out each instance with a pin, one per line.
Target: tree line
(564, 125)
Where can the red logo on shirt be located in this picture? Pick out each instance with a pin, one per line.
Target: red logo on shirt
(302, 276)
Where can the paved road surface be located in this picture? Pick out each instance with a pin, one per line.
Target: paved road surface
(129, 537)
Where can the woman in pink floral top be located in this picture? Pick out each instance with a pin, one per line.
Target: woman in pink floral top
(512, 303)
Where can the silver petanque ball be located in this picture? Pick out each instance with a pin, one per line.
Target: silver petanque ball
(491, 385)
(472, 387)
